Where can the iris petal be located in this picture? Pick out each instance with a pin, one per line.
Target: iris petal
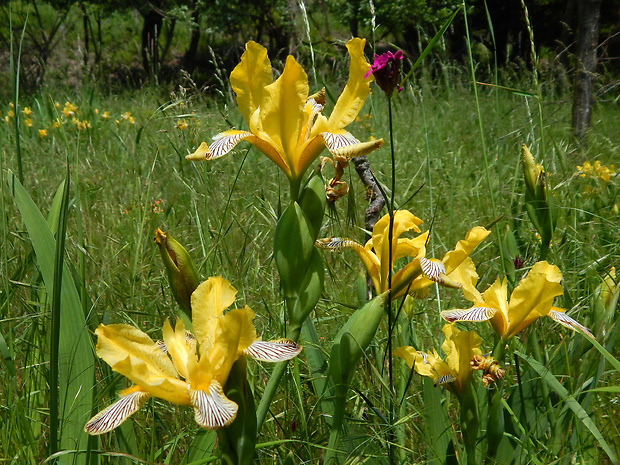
(115, 414)
(273, 351)
(212, 409)
(356, 90)
(250, 77)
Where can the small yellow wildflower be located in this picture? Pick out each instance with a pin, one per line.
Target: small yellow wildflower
(182, 124)
(127, 116)
(105, 115)
(597, 170)
(57, 104)
(28, 122)
(11, 104)
(11, 114)
(27, 111)
(69, 109)
(42, 133)
(57, 123)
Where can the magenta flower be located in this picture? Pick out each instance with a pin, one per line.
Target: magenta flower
(385, 69)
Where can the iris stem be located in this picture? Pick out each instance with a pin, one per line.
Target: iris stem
(389, 277)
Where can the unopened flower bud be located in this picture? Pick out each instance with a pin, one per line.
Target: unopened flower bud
(180, 268)
(386, 70)
(532, 172)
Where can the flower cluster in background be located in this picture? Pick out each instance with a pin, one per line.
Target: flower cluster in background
(604, 173)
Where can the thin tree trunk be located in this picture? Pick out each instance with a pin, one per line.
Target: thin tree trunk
(190, 55)
(587, 41)
(150, 41)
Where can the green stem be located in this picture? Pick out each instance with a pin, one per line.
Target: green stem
(389, 300)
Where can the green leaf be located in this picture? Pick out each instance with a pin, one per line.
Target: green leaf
(201, 447)
(317, 363)
(75, 357)
(572, 403)
(310, 289)
(349, 345)
(437, 422)
(238, 441)
(312, 203)
(293, 247)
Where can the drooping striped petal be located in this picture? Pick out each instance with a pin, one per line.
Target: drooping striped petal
(335, 141)
(432, 269)
(469, 314)
(212, 409)
(445, 379)
(567, 321)
(200, 154)
(115, 414)
(370, 260)
(225, 141)
(273, 351)
(357, 150)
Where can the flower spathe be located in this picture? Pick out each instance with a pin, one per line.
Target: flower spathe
(460, 347)
(530, 300)
(417, 275)
(285, 123)
(186, 369)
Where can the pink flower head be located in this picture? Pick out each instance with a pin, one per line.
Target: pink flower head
(386, 68)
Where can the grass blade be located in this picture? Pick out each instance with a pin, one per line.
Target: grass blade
(75, 355)
(571, 402)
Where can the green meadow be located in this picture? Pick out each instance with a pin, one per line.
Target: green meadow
(88, 176)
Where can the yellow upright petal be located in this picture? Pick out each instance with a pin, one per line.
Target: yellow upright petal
(209, 301)
(411, 247)
(466, 274)
(357, 89)
(464, 248)
(178, 346)
(432, 366)
(404, 221)
(460, 347)
(534, 295)
(281, 111)
(250, 77)
(496, 296)
(408, 353)
(235, 334)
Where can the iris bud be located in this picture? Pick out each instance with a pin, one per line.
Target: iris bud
(180, 268)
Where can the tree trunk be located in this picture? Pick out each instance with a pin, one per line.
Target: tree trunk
(189, 59)
(150, 42)
(587, 41)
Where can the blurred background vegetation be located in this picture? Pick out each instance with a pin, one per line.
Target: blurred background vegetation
(119, 44)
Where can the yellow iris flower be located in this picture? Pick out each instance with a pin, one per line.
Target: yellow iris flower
(285, 123)
(456, 371)
(186, 369)
(420, 272)
(530, 300)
